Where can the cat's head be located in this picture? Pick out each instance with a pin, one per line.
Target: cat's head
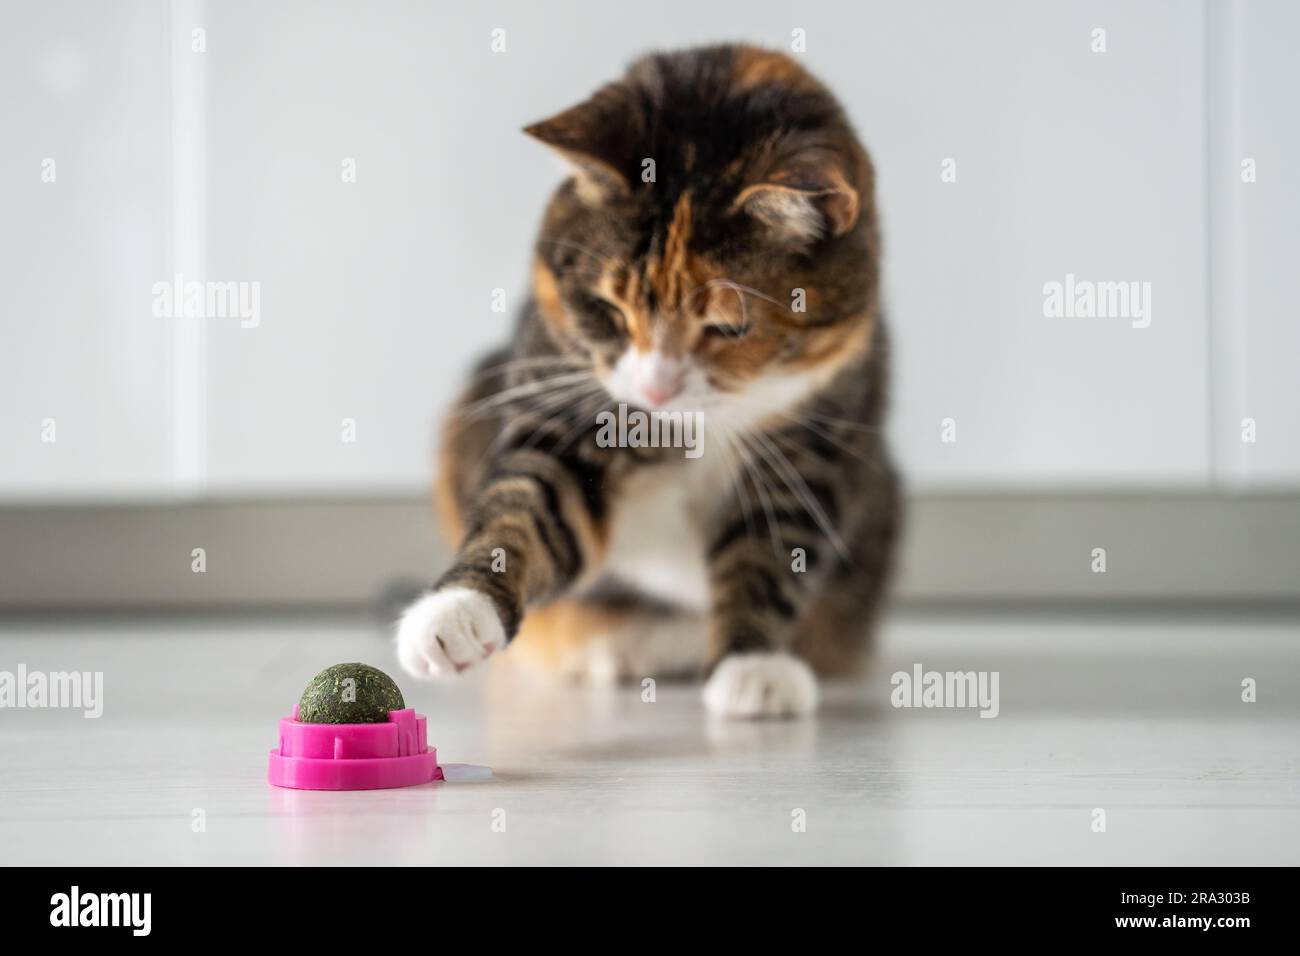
(715, 249)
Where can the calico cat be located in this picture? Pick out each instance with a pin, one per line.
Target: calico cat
(715, 254)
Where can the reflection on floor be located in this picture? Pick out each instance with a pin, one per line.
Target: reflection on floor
(1140, 717)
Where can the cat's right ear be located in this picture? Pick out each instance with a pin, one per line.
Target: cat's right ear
(581, 135)
(805, 207)
(801, 193)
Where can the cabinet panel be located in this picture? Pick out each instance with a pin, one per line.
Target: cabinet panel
(85, 366)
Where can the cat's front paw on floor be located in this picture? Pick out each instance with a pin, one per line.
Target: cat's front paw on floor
(761, 685)
(448, 631)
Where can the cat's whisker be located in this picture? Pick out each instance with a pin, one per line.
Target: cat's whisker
(570, 244)
(741, 289)
(586, 418)
(562, 396)
(871, 463)
(550, 409)
(841, 422)
(510, 436)
(765, 493)
(827, 436)
(523, 390)
(740, 297)
(794, 481)
(558, 413)
(731, 457)
(583, 397)
(727, 454)
(514, 364)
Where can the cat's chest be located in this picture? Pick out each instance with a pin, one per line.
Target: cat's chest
(657, 533)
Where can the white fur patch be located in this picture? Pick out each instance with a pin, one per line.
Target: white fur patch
(655, 542)
(448, 631)
(761, 685)
(765, 396)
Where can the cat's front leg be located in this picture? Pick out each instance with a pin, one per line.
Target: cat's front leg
(761, 588)
(533, 527)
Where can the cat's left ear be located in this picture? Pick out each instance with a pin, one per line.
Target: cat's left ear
(803, 202)
(582, 135)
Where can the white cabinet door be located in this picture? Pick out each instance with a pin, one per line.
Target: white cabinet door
(85, 366)
(1069, 162)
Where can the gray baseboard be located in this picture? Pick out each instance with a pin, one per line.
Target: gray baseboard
(958, 549)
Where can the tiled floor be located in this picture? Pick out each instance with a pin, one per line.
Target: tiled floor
(1139, 716)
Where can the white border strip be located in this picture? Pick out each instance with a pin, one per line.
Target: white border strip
(189, 380)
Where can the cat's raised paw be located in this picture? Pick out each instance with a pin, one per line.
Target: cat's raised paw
(761, 685)
(448, 631)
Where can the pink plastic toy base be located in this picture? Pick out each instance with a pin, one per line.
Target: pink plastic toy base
(354, 756)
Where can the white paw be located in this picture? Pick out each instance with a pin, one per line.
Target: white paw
(448, 631)
(761, 685)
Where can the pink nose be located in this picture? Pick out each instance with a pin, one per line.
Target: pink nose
(659, 377)
(657, 395)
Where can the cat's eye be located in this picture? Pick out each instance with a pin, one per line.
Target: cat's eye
(601, 318)
(721, 332)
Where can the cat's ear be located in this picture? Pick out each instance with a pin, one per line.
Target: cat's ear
(803, 200)
(582, 135)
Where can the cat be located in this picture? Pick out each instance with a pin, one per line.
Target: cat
(713, 257)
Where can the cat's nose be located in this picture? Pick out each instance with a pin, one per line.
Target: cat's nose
(659, 377)
(658, 396)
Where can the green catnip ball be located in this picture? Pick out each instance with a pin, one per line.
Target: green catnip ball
(349, 694)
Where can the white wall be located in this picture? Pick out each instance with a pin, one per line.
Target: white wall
(375, 294)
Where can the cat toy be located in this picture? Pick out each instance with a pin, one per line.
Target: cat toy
(351, 730)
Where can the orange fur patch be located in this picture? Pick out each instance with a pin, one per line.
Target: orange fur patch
(673, 272)
(553, 633)
(755, 67)
(445, 495)
(547, 293)
(830, 349)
